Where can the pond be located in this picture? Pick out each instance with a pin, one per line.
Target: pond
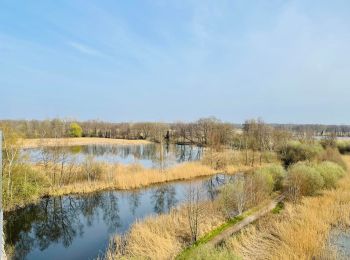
(148, 155)
(341, 240)
(80, 226)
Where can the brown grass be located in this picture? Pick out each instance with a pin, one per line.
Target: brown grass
(164, 236)
(35, 143)
(124, 177)
(301, 231)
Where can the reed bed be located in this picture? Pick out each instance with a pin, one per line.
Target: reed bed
(124, 177)
(46, 142)
(302, 231)
(162, 237)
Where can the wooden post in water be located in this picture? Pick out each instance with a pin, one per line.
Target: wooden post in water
(2, 241)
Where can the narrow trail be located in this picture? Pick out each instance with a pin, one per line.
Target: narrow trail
(246, 221)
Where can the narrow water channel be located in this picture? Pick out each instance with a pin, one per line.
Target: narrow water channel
(79, 227)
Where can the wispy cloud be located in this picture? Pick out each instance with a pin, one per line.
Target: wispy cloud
(85, 49)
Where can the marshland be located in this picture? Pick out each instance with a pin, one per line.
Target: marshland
(177, 129)
(167, 193)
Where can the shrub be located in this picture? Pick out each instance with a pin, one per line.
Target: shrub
(27, 185)
(258, 187)
(295, 152)
(216, 160)
(226, 200)
(233, 198)
(333, 155)
(343, 147)
(330, 172)
(277, 173)
(303, 179)
(91, 169)
(75, 130)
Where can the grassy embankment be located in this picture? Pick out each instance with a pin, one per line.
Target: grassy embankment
(300, 231)
(36, 143)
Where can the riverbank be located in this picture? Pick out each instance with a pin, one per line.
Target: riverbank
(118, 177)
(227, 229)
(50, 142)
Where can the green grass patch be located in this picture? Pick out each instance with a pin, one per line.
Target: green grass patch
(187, 253)
(279, 207)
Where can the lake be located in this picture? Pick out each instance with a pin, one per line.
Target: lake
(148, 155)
(80, 226)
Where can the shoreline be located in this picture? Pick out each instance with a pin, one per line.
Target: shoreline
(49, 142)
(121, 183)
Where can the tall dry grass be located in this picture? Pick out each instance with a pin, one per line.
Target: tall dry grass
(164, 236)
(301, 231)
(40, 142)
(118, 176)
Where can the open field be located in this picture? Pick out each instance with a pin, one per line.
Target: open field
(35, 143)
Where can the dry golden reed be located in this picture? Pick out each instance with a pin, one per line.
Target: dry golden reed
(164, 236)
(35, 143)
(301, 231)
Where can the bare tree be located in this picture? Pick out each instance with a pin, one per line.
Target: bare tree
(194, 211)
(11, 148)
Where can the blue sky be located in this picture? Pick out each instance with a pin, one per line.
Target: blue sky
(150, 60)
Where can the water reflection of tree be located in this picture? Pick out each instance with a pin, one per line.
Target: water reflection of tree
(56, 220)
(111, 211)
(164, 156)
(88, 204)
(134, 201)
(164, 199)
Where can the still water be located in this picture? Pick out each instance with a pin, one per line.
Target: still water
(148, 155)
(79, 227)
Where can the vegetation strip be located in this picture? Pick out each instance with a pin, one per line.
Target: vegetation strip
(76, 141)
(232, 226)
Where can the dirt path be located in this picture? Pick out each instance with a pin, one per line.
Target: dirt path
(248, 220)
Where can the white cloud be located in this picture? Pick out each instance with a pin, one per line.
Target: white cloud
(85, 49)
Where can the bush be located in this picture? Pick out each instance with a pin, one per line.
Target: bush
(296, 152)
(303, 180)
(233, 198)
(216, 160)
(75, 130)
(27, 185)
(277, 172)
(330, 172)
(343, 147)
(92, 170)
(332, 155)
(258, 187)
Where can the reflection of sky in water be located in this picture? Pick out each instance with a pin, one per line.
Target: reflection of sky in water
(147, 155)
(79, 227)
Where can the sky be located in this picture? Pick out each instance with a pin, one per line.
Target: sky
(176, 60)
